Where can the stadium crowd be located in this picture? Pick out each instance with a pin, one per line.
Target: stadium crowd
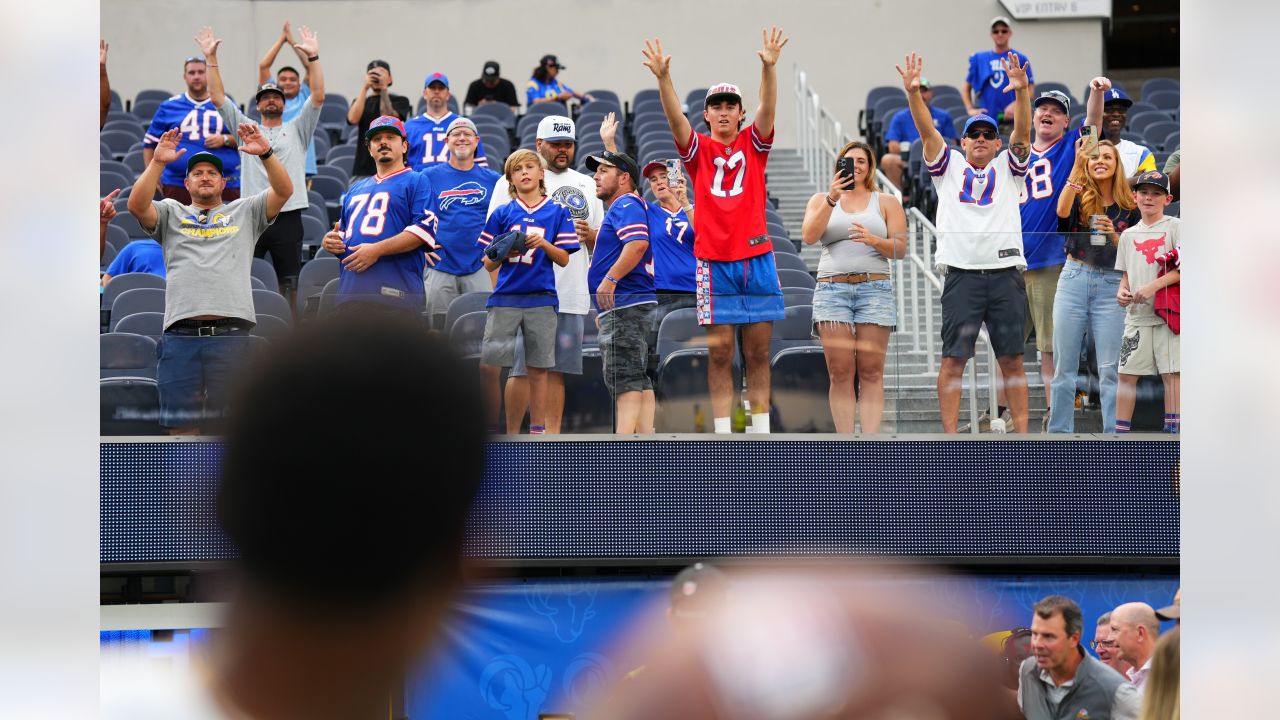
(531, 264)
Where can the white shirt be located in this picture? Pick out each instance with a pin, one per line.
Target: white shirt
(1139, 676)
(979, 223)
(1140, 245)
(577, 192)
(1132, 156)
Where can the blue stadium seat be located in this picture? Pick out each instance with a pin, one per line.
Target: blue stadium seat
(792, 297)
(109, 180)
(1139, 122)
(130, 126)
(800, 384)
(117, 236)
(328, 296)
(313, 230)
(119, 141)
(151, 94)
(1172, 209)
(337, 172)
(145, 110)
(333, 116)
(256, 284)
(1164, 99)
(340, 151)
(129, 406)
(1158, 84)
(1157, 133)
(104, 152)
(643, 95)
(795, 329)
(784, 245)
(942, 91)
(554, 107)
(122, 283)
(789, 261)
(467, 334)
(796, 278)
(270, 326)
(321, 141)
(262, 269)
(680, 331)
(603, 94)
(330, 189)
(135, 301)
(109, 253)
(126, 355)
(315, 274)
(1171, 142)
(150, 324)
(464, 304)
(695, 98)
(267, 302)
(682, 393)
(117, 104)
(587, 405)
(333, 98)
(501, 112)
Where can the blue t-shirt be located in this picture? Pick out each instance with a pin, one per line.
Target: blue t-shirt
(144, 256)
(671, 242)
(536, 90)
(197, 121)
(462, 200)
(1047, 173)
(988, 80)
(529, 279)
(903, 129)
(291, 110)
(427, 144)
(626, 221)
(375, 209)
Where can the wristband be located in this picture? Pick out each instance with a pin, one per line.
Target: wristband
(267, 154)
(313, 58)
(611, 279)
(830, 202)
(1075, 186)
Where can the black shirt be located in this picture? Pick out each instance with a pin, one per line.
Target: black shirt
(364, 164)
(1078, 234)
(503, 92)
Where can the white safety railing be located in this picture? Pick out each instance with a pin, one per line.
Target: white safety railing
(819, 136)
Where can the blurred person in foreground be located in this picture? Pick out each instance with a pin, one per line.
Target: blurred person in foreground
(1162, 695)
(779, 645)
(297, 640)
(1061, 680)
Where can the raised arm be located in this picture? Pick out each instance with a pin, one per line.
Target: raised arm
(660, 66)
(357, 106)
(209, 46)
(264, 65)
(307, 49)
(144, 188)
(106, 211)
(929, 135)
(1098, 88)
(1020, 138)
(609, 131)
(773, 44)
(104, 87)
(253, 142)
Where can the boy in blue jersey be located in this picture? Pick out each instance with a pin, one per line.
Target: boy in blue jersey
(525, 296)
(462, 190)
(387, 234)
(985, 85)
(202, 130)
(428, 133)
(624, 295)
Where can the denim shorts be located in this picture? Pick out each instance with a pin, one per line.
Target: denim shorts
(193, 375)
(867, 303)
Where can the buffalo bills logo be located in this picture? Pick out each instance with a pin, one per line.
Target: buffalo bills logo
(573, 200)
(468, 193)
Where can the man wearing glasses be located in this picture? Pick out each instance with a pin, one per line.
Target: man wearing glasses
(462, 189)
(979, 239)
(1104, 644)
(986, 85)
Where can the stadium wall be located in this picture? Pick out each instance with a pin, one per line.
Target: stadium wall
(847, 48)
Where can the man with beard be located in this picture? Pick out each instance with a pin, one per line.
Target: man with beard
(557, 144)
(283, 239)
(297, 89)
(428, 133)
(374, 100)
(195, 114)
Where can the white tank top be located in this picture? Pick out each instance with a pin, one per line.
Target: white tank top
(840, 255)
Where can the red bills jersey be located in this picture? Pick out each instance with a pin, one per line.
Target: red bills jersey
(728, 194)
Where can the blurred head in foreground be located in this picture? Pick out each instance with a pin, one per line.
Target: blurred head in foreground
(350, 544)
(789, 646)
(1161, 695)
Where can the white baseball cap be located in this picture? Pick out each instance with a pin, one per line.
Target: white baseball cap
(723, 89)
(556, 127)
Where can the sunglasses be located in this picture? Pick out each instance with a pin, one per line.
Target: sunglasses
(984, 134)
(1002, 31)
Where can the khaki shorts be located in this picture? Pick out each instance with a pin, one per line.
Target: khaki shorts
(1042, 285)
(539, 326)
(1148, 350)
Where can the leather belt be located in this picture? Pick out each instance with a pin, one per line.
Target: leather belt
(208, 328)
(854, 278)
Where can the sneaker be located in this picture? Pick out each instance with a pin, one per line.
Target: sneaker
(984, 424)
(1044, 422)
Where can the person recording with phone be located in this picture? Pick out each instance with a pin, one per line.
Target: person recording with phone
(854, 309)
(374, 100)
(1094, 207)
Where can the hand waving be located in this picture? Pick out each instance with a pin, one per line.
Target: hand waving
(167, 149)
(773, 44)
(609, 129)
(911, 75)
(310, 44)
(1016, 71)
(252, 141)
(658, 64)
(102, 52)
(207, 42)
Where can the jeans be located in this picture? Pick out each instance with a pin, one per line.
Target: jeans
(1086, 299)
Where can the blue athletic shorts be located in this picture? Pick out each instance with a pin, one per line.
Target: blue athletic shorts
(739, 292)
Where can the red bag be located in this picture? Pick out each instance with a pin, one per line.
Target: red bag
(1168, 300)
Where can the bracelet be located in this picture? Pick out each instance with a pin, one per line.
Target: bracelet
(830, 202)
(1075, 186)
(611, 279)
(210, 65)
(267, 154)
(313, 58)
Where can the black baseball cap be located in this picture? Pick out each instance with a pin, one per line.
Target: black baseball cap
(490, 69)
(204, 157)
(268, 87)
(622, 161)
(378, 63)
(549, 60)
(1153, 177)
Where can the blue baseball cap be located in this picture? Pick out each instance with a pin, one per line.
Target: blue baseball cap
(385, 122)
(981, 118)
(437, 77)
(1117, 96)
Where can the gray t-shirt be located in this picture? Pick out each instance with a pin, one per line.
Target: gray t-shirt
(289, 143)
(208, 256)
(840, 255)
(1140, 245)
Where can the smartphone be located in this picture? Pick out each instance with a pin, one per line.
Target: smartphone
(675, 175)
(845, 166)
(1089, 134)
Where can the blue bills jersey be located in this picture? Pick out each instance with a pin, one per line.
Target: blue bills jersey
(378, 208)
(626, 221)
(427, 144)
(529, 279)
(196, 121)
(671, 242)
(462, 201)
(1047, 172)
